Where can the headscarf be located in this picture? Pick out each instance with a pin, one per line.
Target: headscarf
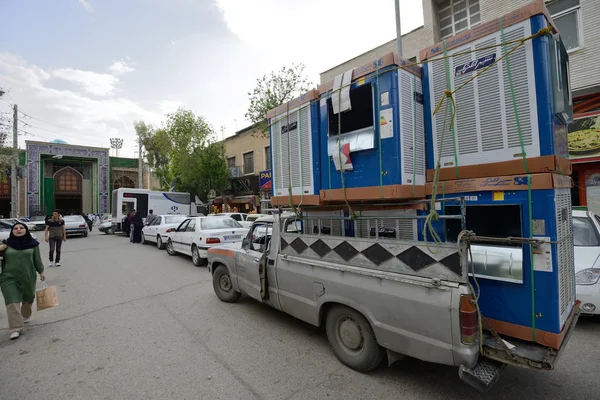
(137, 219)
(23, 242)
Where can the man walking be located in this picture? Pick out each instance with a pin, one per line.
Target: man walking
(130, 220)
(56, 234)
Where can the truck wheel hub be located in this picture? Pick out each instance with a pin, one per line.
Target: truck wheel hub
(350, 334)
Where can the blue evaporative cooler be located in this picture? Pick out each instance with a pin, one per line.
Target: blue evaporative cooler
(521, 285)
(294, 133)
(521, 104)
(372, 127)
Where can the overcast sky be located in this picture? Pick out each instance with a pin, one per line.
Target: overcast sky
(84, 70)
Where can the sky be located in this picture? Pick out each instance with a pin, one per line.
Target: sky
(84, 70)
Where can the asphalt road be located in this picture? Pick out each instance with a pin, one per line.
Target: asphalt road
(135, 323)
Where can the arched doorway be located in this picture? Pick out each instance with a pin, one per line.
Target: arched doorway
(123, 182)
(68, 196)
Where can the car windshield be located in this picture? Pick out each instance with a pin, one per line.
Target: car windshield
(73, 218)
(219, 223)
(584, 232)
(174, 219)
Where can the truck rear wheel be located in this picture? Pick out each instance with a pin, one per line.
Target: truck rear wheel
(352, 339)
(223, 286)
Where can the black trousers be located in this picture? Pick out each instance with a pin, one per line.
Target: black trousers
(55, 243)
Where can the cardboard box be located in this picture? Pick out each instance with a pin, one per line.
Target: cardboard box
(374, 66)
(290, 105)
(501, 183)
(537, 165)
(307, 200)
(527, 11)
(374, 193)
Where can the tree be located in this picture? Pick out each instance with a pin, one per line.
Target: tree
(184, 151)
(275, 89)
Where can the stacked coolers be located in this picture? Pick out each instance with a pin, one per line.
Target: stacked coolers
(506, 153)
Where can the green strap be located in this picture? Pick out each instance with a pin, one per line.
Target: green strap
(530, 206)
(448, 87)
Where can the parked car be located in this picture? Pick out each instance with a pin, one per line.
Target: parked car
(195, 235)
(13, 221)
(244, 219)
(586, 240)
(108, 224)
(160, 227)
(76, 225)
(38, 222)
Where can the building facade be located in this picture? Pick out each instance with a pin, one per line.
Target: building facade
(576, 21)
(249, 158)
(74, 179)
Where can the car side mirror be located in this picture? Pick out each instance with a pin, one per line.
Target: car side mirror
(245, 243)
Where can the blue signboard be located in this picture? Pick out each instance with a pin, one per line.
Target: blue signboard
(264, 180)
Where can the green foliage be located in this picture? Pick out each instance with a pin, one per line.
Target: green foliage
(184, 151)
(275, 89)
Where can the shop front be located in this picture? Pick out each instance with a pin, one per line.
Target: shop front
(584, 152)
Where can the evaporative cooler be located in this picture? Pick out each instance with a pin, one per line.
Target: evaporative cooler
(513, 297)
(529, 89)
(372, 127)
(294, 133)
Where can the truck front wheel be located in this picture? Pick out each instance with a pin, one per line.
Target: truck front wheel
(352, 339)
(223, 286)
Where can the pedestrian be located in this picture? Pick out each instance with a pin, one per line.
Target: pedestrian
(130, 220)
(151, 218)
(55, 235)
(138, 225)
(18, 277)
(90, 221)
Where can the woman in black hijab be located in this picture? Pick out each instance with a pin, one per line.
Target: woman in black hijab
(138, 224)
(22, 260)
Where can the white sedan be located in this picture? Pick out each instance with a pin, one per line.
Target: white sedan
(586, 239)
(196, 235)
(160, 227)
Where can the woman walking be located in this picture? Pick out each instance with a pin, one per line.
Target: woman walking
(22, 260)
(138, 225)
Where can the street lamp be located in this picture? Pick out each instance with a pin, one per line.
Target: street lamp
(117, 144)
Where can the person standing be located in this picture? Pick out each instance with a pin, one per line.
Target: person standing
(130, 220)
(151, 218)
(55, 235)
(138, 225)
(22, 260)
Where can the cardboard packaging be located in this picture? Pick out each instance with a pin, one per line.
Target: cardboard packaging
(374, 193)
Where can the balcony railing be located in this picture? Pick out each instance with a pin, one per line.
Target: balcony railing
(236, 172)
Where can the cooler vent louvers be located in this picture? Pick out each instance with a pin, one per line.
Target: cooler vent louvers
(412, 129)
(386, 228)
(566, 274)
(486, 124)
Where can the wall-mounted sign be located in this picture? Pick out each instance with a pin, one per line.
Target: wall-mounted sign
(264, 180)
(584, 138)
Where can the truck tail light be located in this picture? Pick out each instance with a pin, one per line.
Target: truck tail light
(468, 319)
(213, 240)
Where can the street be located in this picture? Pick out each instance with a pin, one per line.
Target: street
(134, 323)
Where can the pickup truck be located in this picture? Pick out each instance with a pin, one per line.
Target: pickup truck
(371, 314)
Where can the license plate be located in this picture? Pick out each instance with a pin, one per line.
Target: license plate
(234, 237)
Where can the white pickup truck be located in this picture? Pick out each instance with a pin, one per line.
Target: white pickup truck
(371, 314)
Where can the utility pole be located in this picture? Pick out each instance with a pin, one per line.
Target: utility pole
(398, 28)
(140, 163)
(13, 165)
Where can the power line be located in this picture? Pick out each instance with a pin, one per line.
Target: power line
(57, 133)
(53, 124)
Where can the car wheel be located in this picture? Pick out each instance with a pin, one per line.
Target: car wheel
(144, 241)
(110, 231)
(196, 259)
(85, 234)
(159, 242)
(352, 339)
(170, 248)
(223, 287)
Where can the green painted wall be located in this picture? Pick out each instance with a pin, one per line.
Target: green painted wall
(48, 199)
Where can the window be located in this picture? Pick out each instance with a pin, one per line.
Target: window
(191, 226)
(359, 117)
(249, 163)
(457, 15)
(174, 220)
(231, 162)
(584, 232)
(183, 225)
(565, 14)
(219, 223)
(261, 234)
(268, 157)
(157, 221)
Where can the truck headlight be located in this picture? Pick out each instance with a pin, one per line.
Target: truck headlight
(587, 276)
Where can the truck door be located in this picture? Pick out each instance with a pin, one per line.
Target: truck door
(250, 268)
